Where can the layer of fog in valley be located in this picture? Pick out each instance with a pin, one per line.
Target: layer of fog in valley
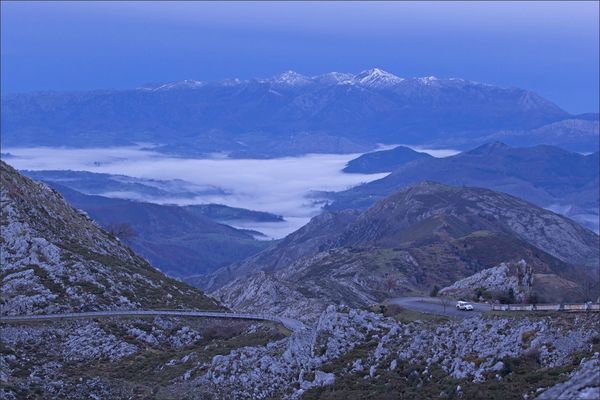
(283, 186)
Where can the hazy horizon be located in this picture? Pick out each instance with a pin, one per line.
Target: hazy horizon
(551, 47)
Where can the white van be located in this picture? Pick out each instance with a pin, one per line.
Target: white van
(464, 306)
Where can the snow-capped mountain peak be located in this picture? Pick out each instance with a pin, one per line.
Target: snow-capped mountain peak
(230, 82)
(428, 80)
(184, 84)
(335, 78)
(290, 78)
(376, 77)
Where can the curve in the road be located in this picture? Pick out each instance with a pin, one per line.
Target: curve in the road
(434, 305)
(289, 323)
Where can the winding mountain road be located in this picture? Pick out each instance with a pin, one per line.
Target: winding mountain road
(289, 323)
(434, 305)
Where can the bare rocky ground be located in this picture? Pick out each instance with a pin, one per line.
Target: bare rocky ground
(115, 357)
(583, 383)
(492, 357)
(348, 353)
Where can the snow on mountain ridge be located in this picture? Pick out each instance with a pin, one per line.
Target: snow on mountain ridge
(377, 78)
(374, 78)
(337, 78)
(184, 84)
(427, 80)
(290, 78)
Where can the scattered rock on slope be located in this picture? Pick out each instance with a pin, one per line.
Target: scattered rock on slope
(55, 259)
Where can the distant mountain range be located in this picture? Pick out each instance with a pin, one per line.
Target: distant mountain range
(548, 176)
(294, 114)
(422, 236)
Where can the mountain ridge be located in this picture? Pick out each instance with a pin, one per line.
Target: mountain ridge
(428, 219)
(423, 236)
(373, 77)
(545, 175)
(286, 115)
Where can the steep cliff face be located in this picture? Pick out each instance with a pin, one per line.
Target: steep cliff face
(54, 258)
(518, 283)
(516, 278)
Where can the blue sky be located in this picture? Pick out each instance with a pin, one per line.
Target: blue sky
(548, 47)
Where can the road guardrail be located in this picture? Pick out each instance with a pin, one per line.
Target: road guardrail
(580, 307)
(289, 323)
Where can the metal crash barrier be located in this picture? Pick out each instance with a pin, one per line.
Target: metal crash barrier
(583, 307)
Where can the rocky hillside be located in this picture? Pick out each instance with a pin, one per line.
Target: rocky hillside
(424, 236)
(583, 383)
(517, 283)
(54, 258)
(346, 354)
(434, 210)
(361, 277)
(516, 277)
(476, 358)
(354, 277)
(117, 358)
(423, 214)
